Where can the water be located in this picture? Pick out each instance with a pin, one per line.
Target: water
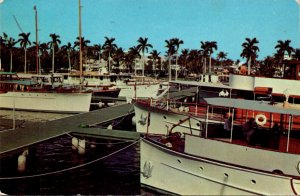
(112, 168)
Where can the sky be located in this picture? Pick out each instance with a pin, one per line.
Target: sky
(228, 22)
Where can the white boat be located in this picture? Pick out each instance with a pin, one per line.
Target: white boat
(252, 87)
(214, 163)
(131, 86)
(169, 111)
(41, 96)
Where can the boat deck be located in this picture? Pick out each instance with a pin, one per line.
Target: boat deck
(35, 133)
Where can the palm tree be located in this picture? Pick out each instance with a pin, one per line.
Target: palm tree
(170, 52)
(142, 47)
(222, 56)
(3, 40)
(154, 56)
(24, 41)
(43, 49)
(210, 48)
(194, 57)
(284, 47)
(54, 44)
(98, 49)
(11, 42)
(68, 47)
(183, 58)
(134, 54)
(109, 46)
(249, 51)
(297, 54)
(118, 56)
(176, 43)
(84, 45)
(204, 51)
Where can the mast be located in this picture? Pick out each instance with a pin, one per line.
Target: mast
(80, 42)
(38, 71)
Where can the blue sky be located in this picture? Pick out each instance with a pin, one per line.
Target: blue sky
(228, 22)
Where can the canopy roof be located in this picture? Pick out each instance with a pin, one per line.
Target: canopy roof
(20, 82)
(206, 84)
(251, 105)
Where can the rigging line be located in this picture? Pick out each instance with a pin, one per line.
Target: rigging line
(19, 26)
(71, 168)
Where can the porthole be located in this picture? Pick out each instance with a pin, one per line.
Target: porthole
(226, 175)
(178, 161)
(201, 168)
(253, 181)
(165, 117)
(198, 124)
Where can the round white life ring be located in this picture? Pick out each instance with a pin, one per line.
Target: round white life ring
(261, 119)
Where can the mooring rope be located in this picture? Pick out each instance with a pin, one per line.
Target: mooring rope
(132, 107)
(71, 168)
(102, 143)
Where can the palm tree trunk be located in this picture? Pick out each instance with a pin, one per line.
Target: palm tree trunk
(69, 56)
(249, 65)
(108, 62)
(53, 59)
(143, 68)
(176, 67)
(170, 73)
(11, 55)
(209, 68)
(204, 65)
(25, 67)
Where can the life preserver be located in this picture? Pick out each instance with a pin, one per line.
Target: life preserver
(261, 119)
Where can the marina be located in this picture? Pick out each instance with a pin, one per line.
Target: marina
(149, 98)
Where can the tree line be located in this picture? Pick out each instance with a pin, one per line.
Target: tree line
(19, 55)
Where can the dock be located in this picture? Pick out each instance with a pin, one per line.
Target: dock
(105, 133)
(19, 138)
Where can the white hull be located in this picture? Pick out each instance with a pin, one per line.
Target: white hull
(127, 89)
(279, 86)
(185, 174)
(141, 90)
(161, 121)
(48, 102)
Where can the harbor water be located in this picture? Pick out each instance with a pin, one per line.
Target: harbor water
(108, 167)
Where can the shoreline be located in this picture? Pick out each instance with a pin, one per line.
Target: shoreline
(24, 118)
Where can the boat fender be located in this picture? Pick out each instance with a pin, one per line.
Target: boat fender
(147, 169)
(298, 167)
(81, 146)
(261, 119)
(101, 104)
(169, 144)
(133, 121)
(74, 143)
(181, 108)
(22, 161)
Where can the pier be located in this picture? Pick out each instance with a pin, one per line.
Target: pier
(22, 137)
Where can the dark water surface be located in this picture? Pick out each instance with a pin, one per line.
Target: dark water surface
(54, 168)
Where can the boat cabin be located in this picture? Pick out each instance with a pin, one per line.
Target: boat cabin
(253, 123)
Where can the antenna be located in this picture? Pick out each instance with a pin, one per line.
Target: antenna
(19, 26)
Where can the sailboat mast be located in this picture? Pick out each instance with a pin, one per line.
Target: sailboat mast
(36, 41)
(80, 41)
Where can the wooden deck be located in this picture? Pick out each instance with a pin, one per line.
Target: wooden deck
(35, 133)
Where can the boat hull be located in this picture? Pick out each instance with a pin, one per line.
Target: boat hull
(184, 174)
(47, 102)
(161, 121)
